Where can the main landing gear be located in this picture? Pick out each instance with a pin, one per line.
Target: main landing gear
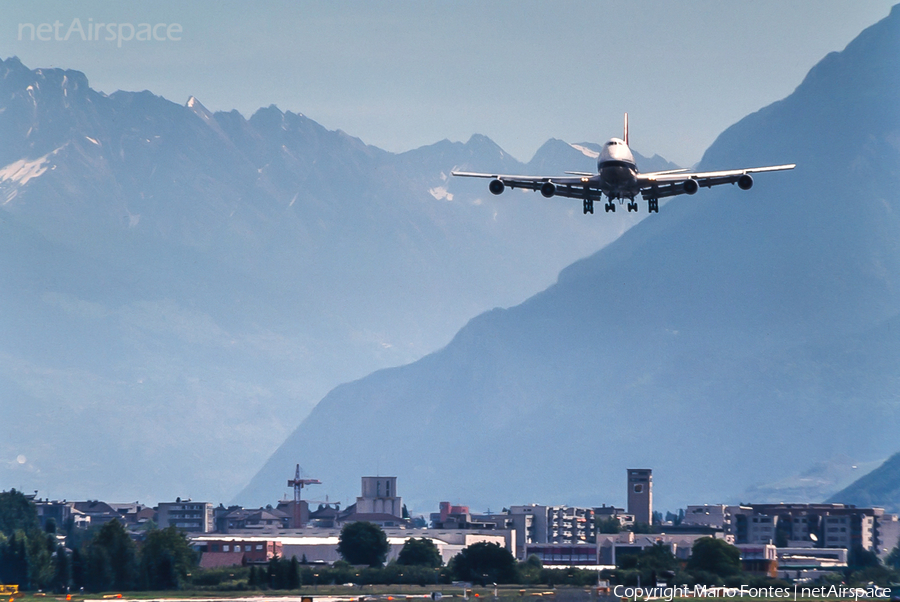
(610, 205)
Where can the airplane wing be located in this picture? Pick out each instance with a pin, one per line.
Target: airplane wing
(654, 186)
(670, 183)
(585, 186)
(665, 173)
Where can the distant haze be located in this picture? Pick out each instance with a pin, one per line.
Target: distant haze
(179, 288)
(735, 339)
(405, 74)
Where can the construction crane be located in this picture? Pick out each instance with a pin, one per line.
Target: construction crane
(298, 484)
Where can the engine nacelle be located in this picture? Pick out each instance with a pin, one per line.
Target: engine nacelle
(548, 189)
(691, 186)
(496, 186)
(745, 182)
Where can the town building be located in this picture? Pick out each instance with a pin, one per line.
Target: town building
(186, 515)
(379, 496)
(759, 559)
(888, 529)
(613, 546)
(321, 545)
(58, 512)
(218, 551)
(450, 517)
(378, 504)
(95, 512)
(134, 513)
(537, 524)
(268, 520)
(640, 494)
(605, 512)
(707, 515)
(325, 515)
(810, 563)
(566, 555)
(459, 517)
(91, 513)
(807, 525)
(297, 512)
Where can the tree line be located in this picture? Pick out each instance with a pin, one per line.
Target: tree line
(96, 560)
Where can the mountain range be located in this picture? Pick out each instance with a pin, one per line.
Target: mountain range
(179, 287)
(733, 340)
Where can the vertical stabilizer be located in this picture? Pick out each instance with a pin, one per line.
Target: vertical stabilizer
(625, 137)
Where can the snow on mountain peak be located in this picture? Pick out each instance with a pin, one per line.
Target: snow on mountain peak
(197, 108)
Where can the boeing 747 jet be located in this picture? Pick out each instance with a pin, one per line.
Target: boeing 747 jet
(618, 178)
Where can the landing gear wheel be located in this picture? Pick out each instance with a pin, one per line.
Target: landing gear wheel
(653, 206)
(588, 206)
(632, 206)
(610, 207)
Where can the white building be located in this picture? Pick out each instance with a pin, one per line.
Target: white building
(888, 534)
(707, 515)
(810, 563)
(321, 545)
(186, 515)
(553, 524)
(379, 496)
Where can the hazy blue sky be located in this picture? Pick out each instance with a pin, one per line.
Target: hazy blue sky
(403, 74)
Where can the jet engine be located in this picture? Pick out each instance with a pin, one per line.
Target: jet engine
(745, 182)
(548, 189)
(496, 186)
(691, 186)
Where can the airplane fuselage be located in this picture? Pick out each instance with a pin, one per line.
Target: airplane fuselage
(617, 171)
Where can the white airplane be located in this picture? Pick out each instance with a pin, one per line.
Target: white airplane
(618, 178)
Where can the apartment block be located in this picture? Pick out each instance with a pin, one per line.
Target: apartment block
(186, 515)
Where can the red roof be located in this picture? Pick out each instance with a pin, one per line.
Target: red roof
(214, 560)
